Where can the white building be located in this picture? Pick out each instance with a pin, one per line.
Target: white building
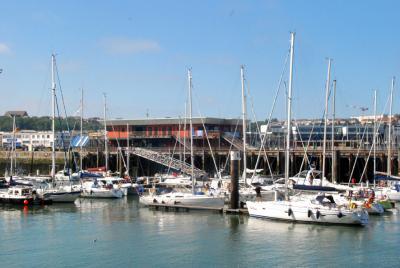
(31, 139)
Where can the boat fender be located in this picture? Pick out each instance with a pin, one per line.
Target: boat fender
(290, 212)
(340, 215)
(367, 205)
(318, 214)
(309, 213)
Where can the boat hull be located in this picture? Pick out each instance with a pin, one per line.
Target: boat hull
(17, 201)
(290, 211)
(393, 195)
(102, 193)
(185, 200)
(63, 197)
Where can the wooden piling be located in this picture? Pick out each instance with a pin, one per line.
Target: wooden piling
(235, 158)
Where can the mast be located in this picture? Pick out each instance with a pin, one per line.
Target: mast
(191, 129)
(53, 126)
(374, 137)
(179, 138)
(389, 157)
(333, 132)
(326, 118)
(289, 114)
(13, 149)
(184, 136)
(244, 118)
(127, 150)
(105, 131)
(81, 139)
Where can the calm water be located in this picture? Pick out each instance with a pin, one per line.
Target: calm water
(120, 233)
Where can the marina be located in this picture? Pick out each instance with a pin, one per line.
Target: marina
(226, 134)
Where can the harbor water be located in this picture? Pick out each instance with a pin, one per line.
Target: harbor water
(122, 233)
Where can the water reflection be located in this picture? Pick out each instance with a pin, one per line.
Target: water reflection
(123, 233)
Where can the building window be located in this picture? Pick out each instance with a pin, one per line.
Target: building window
(48, 136)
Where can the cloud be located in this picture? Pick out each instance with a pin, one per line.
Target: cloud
(130, 46)
(4, 49)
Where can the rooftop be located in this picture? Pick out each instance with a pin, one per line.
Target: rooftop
(173, 121)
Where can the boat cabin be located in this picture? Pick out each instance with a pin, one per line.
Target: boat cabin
(20, 191)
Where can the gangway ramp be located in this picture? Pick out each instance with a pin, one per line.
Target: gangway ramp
(167, 161)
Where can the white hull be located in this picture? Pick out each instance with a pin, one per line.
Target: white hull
(63, 197)
(393, 195)
(101, 193)
(185, 199)
(304, 211)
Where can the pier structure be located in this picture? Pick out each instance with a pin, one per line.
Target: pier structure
(215, 138)
(160, 145)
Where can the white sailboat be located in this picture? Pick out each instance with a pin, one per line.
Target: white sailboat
(180, 197)
(315, 209)
(102, 187)
(62, 194)
(392, 190)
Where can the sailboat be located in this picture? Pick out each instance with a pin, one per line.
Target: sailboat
(181, 197)
(95, 188)
(61, 193)
(318, 208)
(392, 189)
(11, 178)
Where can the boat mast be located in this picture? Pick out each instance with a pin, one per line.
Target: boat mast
(389, 157)
(374, 137)
(105, 131)
(184, 131)
(244, 118)
(333, 132)
(128, 156)
(81, 139)
(13, 149)
(53, 126)
(326, 118)
(289, 114)
(191, 129)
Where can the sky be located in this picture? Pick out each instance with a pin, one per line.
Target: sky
(138, 53)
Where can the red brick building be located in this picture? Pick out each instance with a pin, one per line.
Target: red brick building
(166, 132)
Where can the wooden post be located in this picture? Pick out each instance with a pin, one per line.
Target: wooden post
(281, 162)
(235, 158)
(292, 164)
(398, 163)
(334, 165)
(351, 163)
